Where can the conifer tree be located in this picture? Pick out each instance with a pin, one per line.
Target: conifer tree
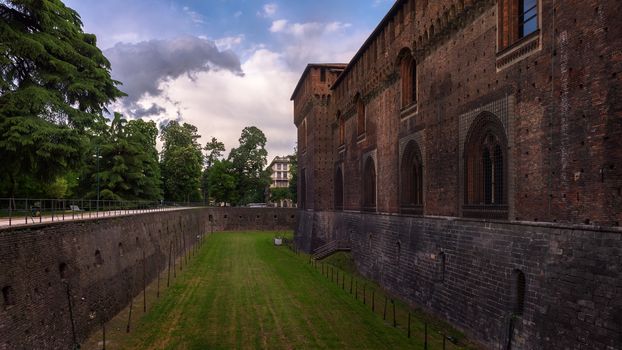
(54, 86)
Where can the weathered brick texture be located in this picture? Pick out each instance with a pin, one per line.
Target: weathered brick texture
(31, 259)
(557, 93)
(573, 274)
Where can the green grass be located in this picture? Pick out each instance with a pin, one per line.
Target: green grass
(241, 292)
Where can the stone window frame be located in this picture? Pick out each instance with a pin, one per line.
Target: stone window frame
(365, 206)
(406, 65)
(511, 45)
(417, 139)
(504, 110)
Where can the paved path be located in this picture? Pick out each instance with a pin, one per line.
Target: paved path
(81, 215)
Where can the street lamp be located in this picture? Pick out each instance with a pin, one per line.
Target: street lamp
(98, 158)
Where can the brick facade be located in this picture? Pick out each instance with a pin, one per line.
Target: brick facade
(555, 93)
(97, 265)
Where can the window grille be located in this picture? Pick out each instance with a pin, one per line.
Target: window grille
(485, 158)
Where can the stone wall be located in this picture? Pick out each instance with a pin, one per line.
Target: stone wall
(462, 271)
(96, 266)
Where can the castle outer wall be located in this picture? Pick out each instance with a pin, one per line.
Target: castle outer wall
(97, 266)
(500, 159)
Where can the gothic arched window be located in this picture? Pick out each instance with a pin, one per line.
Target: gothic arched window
(411, 180)
(485, 165)
(369, 185)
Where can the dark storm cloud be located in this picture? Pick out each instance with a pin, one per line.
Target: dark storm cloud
(146, 112)
(143, 66)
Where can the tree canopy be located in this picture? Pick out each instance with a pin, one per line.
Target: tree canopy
(248, 161)
(54, 86)
(128, 162)
(181, 162)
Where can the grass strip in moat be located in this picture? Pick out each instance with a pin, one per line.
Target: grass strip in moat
(241, 292)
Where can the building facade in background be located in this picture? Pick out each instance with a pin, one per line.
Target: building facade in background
(471, 155)
(280, 177)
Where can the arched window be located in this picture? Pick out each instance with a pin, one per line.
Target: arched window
(485, 165)
(361, 116)
(303, 188)
(411, 180)
(8, 295)
(519, 287)
(99, 261)
(62, 271)
(443, 261)
(369, 185)
(342, 129)
(408, 74)
(338, 189)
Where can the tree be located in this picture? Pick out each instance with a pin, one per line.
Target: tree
(248, 161)
(54, 85)
(280, 193)
(222, 182)
(214, 150)
(128, 164)
(181, 162)
(293, 170)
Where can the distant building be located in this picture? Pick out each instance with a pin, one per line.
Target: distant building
(279, 178)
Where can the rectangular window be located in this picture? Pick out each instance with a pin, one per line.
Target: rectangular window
(528, 17)
(323, 74)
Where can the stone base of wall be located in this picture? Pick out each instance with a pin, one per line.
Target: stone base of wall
(462, 271)
(85, 272)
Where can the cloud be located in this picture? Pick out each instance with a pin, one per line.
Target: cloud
(144, 66)
(141, 112)
(194, 16)
(229, 42)
(268, 10)
(307, 42)
(221, 103)
(307, 29)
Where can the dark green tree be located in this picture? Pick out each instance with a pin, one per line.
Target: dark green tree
(128, 164)
(181, 162)
(222, 182)
(280, 193)
(54, 86)
(213, 152)
(293, 170)
(248, 161)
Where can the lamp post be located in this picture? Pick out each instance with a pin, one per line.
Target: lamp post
(98, 157)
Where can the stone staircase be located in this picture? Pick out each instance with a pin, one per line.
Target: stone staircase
(330, 248)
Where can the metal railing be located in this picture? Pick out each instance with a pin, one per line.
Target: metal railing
(28, 211)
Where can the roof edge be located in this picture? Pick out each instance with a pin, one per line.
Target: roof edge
(392, 11)
(314, 65)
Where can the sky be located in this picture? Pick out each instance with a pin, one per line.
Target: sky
(222, 65)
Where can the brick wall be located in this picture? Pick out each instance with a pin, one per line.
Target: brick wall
(99, 285)
(573, 296)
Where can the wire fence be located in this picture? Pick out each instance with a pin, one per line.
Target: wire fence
(27, 211)
(414, 323)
